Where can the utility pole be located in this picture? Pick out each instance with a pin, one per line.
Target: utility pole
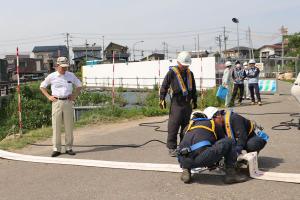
(198, 45)
(68, 47)
(236, 20)
(219, 42)
(165, 49)
(86, 46)
(102, 47)
(248, 38)
(251, 44)
(195, 45)
(284, 32)
(225, 38)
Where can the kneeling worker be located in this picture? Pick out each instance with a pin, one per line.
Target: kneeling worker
(244, 131)
(204, 145)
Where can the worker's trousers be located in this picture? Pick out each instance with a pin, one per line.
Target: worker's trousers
(179, 118)
(209, 156)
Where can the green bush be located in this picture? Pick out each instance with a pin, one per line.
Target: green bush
(88, 98)
(209, 99)
(36, 110)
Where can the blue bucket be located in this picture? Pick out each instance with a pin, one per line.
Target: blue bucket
(222, 92)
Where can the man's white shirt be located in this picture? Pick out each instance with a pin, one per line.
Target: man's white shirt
(61, 84)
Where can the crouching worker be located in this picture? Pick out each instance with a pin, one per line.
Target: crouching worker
(203, 145)
(246, 133)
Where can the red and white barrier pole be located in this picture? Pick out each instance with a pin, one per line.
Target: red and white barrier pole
(201, 84)
(19, 95)
(158, 77)
(113, 81)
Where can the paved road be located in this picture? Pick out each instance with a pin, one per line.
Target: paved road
(22, 180)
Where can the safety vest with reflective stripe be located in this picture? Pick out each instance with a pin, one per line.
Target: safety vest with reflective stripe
(181, 83)
(210, 129)
(228, 128)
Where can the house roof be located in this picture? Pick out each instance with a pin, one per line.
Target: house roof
(95, 48)
(10, 57)
(241, 48)
(160, 55)
(62, 48)
(83, 57)
(274, 46)
(111, 44)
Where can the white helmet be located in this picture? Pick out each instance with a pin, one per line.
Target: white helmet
(184, 58)
(210, 111)
(198, 114)
(252, 61)
(228, 63)
(245, 64)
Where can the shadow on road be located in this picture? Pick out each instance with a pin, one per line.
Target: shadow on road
(266, 163)
(246, 104)
(207, 179)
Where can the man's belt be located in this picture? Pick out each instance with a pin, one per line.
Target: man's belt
(58, 98)
(185, 151)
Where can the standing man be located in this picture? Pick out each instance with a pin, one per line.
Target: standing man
(238, 75)
(253, 75)
(226, 82)
(246, 88)
(62, 98)
(182, 82)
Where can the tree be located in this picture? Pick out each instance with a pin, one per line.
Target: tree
(293, 50)
(293, 47)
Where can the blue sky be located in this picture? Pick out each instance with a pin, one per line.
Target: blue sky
(176, 22)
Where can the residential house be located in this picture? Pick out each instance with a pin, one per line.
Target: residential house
(27, 66)
(121, 53)
(3, 70)
(12, 61)
(270, 55)
(199, 54)
(154, 56)
(86, 53)
(49, 54)
(273, 50)
(233, 53)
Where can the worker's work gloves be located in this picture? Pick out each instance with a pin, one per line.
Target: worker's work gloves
(162, 104)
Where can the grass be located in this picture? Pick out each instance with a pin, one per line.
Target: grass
(98, 116)
(11, 143)
(288, 81)
(105, 115)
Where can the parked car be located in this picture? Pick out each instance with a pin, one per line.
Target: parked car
(295, 91)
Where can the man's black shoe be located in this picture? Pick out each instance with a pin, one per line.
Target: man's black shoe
(172, 152)
(55, 154)
(70, 152)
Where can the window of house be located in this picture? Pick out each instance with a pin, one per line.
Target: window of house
(23, 64)
(278, 53)
(265, 54)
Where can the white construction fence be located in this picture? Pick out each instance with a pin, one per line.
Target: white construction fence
(146, 74)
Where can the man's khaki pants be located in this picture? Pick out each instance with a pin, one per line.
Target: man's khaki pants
(62, 111)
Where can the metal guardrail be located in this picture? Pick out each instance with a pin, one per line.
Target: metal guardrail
(79, 109)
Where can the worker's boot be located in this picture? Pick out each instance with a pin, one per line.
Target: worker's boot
(233, 177)
(186, 176)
